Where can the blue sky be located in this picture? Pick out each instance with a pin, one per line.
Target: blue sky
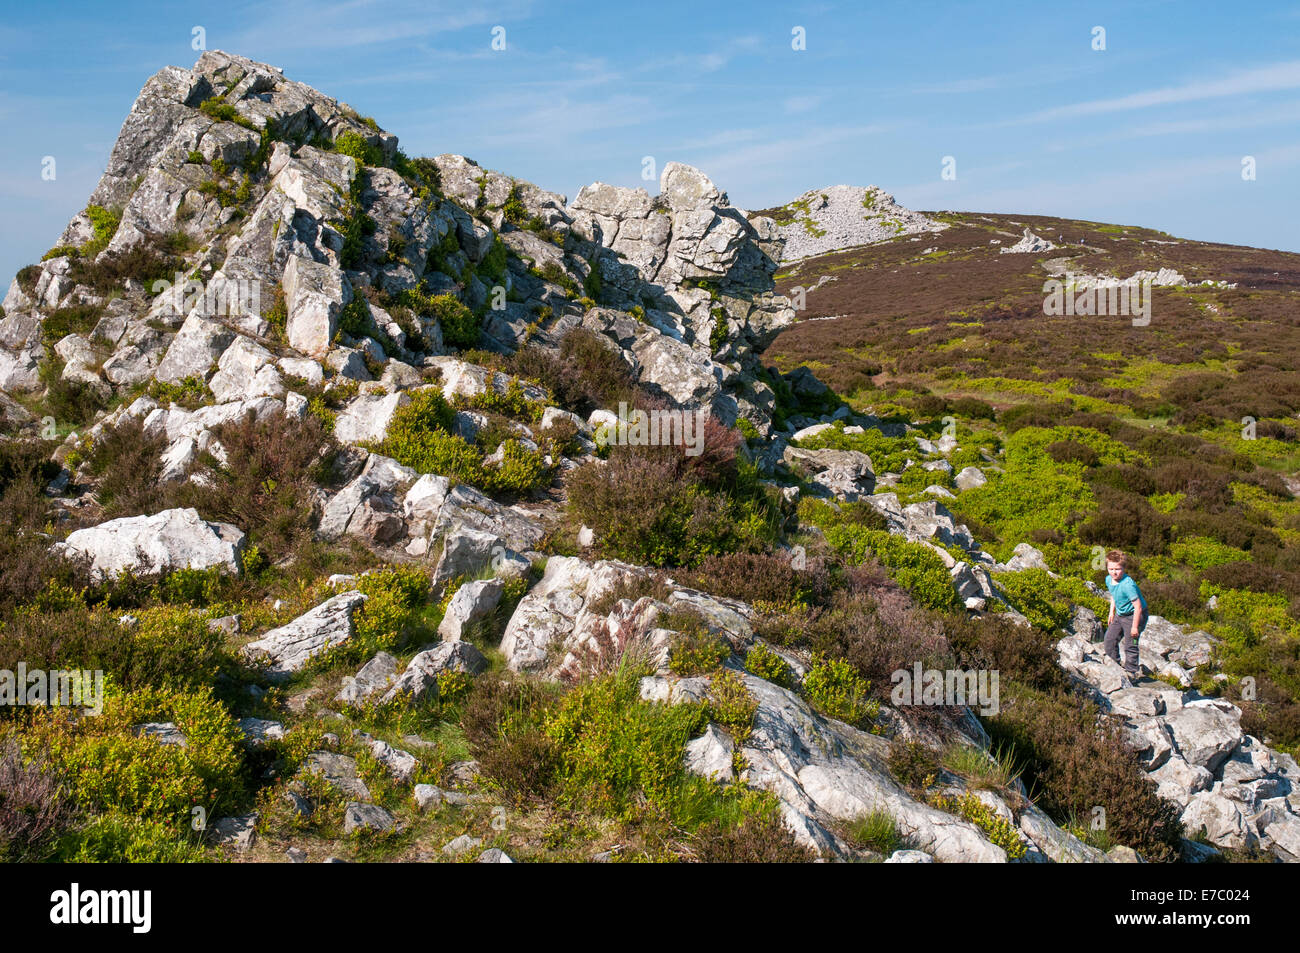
(1151, 131)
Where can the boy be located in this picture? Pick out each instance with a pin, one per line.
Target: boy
(1128, 612)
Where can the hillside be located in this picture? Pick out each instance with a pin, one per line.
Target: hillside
(326, 459)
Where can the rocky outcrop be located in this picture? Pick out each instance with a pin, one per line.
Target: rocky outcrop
(148, 545)
(1226, 782)
(287, 649)
(844, 216)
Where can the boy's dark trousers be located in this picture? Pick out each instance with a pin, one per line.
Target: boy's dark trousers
(1120, 631)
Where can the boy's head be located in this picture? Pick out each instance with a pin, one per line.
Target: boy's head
(1116, 564)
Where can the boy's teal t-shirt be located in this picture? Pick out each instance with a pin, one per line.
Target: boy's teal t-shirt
(1124, 592)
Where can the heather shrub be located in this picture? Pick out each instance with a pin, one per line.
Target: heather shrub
(1125, 521)
(145, 262)
(761, 578)
(1071, 451)
(1128, 478)
(972, 408)
(73, 319)
(267, 487)
(650, 506)
(996, 643)
(913, 764)
(1075, 761)
(167, 647)
(127, 465)
(1034, 415)
(27, 564)
(35, 809)
(760, 838)
(878, 632)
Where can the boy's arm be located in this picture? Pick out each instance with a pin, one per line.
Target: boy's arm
(1137, 611)
(1110, 617)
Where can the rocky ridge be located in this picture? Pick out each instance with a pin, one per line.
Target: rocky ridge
(684, 284)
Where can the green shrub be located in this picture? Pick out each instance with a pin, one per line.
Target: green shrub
(514, 210)
(695, 650)
(116, 839)
(915, 566)
(837, 691)
(216, 107)
(998, 829)
(355, 145)
(766, 664)
(393, 594)
(104, 222)
(513, 403)
(731, 705)
(460, 326)
(619, 754)
(1035, 594)
(112, 769)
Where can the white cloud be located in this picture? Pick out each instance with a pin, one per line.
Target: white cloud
(1280, 76)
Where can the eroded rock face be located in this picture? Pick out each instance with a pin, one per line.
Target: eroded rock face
(287, 649)
(146, 545)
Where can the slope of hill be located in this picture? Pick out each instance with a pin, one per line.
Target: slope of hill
(395, 508)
